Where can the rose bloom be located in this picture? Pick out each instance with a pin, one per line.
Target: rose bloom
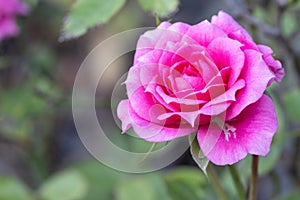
(207, 78)
(9, 9)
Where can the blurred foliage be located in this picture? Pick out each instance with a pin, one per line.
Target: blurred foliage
(290, 196)
(12, 188)
(101, 179)
(85, 14)
(289, 23)
(91, 180)
(146, 187)
(88, 13)
(292, 99)
(21, 105)
(67, 184)
(186, 183)
(161, 8)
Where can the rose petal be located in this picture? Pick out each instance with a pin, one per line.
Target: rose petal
(223, 101)
(228, 24)
(190, 117)
(142, 103)
(257, 76)
(176, 55)
(164, 25)
(227, 52)
(147, 41)
(214, 107)
(137, 95)
(169, 99)
(212, 89)
(122, 112)
(153, 89)
(273, 64)
(248, 44)
(148, 130)
(133, 80)
(254, 130)
(159, 37)
(205, 32)
(179, 27)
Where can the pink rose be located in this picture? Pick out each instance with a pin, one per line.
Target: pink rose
(9, 9)
(208, 78)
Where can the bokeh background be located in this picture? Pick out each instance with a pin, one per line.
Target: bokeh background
(41, 155)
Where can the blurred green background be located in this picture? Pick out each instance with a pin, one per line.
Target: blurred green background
(41, 156)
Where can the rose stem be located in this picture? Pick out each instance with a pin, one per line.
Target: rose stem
(237, 182)
(216, 183)
(252, 195)
(148, 153)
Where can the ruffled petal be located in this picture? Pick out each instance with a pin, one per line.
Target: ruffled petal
(145, 106)
(274, 65)
(159, 37)
(122, 112)
(220, 103)
(205, 32)
(159, 95)
(248, 44)
(227, 52)
(149, 131)
(251, 132)
(257, 76)
(228, 24)
(214, 107)
(169, 99)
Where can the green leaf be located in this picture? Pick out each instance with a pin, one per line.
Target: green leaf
(101, 180)
(197, 154)
(288, 23)
(69, 184)
(161, 8)
(291, 101)
(263, 14)
(19, 107)
(12, 188)
(88, 13)
(260, 13)
(146, 187)
(185, 183)
(41, 57)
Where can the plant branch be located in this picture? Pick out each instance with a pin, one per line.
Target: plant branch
(253, 183)
(237, 182)
(216, 183)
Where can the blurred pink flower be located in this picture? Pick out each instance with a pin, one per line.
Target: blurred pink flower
(208, 78)
(9, 9)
